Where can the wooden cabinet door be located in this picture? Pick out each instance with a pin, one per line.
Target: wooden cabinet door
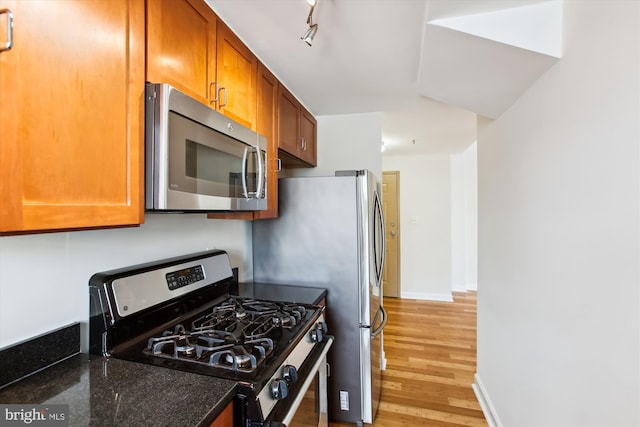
(71, 97)
(288, 122)
(225, 419)
(181, 46)
(308, 133)
(296, 131)
(236, 76)
(267, 92)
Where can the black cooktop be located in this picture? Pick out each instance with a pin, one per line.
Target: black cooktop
(282, 337)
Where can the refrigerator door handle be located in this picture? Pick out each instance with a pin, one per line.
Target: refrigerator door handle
(383, 249)
(383, 323)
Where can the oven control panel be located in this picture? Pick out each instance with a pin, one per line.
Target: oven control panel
(144, 286)
(184, 277)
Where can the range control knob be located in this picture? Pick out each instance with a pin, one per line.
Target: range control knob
(290, 374)
(316, 333)
(324, 327)
(279, 389)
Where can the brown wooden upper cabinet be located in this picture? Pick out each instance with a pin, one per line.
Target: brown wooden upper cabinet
(236, 69)
(181, 47)
(296, 131)
(71, 92)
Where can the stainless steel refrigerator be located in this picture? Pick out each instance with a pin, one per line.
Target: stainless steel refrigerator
(330, 234)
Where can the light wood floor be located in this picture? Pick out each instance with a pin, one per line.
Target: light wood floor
(431, 358)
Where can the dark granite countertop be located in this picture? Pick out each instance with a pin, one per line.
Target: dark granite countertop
(112, 392)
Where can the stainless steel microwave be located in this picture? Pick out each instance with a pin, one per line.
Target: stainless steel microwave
(198, 160)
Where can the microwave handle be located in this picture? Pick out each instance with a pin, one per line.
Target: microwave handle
(260, 173)
(244, 173)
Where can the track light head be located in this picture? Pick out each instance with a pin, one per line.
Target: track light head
(310, 34)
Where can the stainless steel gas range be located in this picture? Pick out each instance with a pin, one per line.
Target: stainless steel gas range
(177, 313)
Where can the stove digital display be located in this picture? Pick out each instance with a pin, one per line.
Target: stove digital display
(184, 277)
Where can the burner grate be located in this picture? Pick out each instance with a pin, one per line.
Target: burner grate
(235, 335)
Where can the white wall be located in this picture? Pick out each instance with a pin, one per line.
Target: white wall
(347, 142)
(470, 179)
(44, 277)
(559, 243)
(464, 220)
(458, 240)
(425, 221)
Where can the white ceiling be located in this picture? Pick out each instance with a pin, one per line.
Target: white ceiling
(375, 56)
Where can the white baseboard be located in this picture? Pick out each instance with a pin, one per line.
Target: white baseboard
(427, 296)
(488, 409)
(472, 286)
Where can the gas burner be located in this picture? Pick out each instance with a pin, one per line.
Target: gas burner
(284, 320)
(176, 346)
(235, 359)
(183, 347)
(242, 358)
(295, 310)
(259, 307)
(213, 337)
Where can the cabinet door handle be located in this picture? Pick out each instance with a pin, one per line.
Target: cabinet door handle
(213, 91)
(224, 93)
(9, 43)
(279, 165)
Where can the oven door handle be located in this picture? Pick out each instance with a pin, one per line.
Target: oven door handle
(307, 382)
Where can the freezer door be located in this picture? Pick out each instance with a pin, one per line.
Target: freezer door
(371, 373)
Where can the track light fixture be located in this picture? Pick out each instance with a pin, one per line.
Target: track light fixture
(308, 36)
